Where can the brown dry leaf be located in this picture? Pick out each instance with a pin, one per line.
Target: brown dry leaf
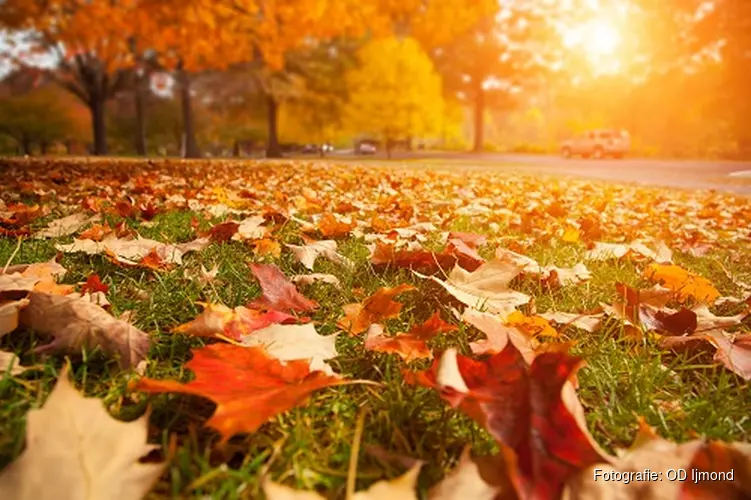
(705, 320)
(401, 488)
(308, 253)
(250, 229)
(75, 450)
(486, 287)
(607, 251)
(290, 342)
(379, 306)
(77, 323)
(561, 276)
(732, 351)
(586, 322)
(309, 279)
(66, 226)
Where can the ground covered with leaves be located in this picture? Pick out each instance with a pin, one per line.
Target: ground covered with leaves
(331, 327)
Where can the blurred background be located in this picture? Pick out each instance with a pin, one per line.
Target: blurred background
(250, 78)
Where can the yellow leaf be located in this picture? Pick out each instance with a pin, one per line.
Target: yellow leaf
(684, 283)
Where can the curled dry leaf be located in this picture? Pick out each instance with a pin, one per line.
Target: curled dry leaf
(291, 342)
(77, 323)
(248, 386)
(66, 226)
(498, 335)
(75, 449)
(379, 306)
(486, 287)
(250, 229)
(278, 292)
(308, 253)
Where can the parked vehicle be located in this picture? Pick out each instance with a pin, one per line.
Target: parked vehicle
(310, 149)
(598, 144)
(366, 148)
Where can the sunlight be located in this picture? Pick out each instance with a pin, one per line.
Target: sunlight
(601, 38)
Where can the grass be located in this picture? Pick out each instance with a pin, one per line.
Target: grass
(309, 447)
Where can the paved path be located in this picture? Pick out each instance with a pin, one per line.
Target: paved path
(732, 176)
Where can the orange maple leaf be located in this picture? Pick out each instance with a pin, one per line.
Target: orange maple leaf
(94, 284)
(248, 386)
(278, 292)
(330, 227)
(379, 306)
(684, 283)
(412, 345)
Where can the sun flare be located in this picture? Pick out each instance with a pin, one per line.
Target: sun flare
(596, 37)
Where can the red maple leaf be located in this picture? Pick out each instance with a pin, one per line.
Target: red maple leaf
(521, 406)
(248, 386)
(278, 292)
(94, 284)
(359, 316)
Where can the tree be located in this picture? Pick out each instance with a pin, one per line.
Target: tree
(491, 61)
(190, 38)
(35, 118)
(90, 40)
(395, 92)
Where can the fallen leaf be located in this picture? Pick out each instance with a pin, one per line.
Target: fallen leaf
(684, 283)
(522, 407)
(733, 351)
(66, 226)
(418, 260)
(488, 286)
(94, 284)
(77, 323)
(101, 455)
(250, 229)
(498, 335)
(233, 323)
(648, 461)
(466, 481)
(9, 365)
(409, 346)
(132, 251)
(290, 342)
(379, 306)
(401, 488)
(248, 386)
(331, 227)
(308, 253)
(607, 251)
(277, 292)
(267, 246)
(309, 279)
(586, 322)
(9, 314)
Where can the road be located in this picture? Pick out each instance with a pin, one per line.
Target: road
(730, 176)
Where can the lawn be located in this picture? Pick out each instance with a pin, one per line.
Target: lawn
(629, 373)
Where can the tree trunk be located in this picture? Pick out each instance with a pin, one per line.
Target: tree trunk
(96, 108)
(479, 125)
(409, 144)
(140, 98)
(389, 145)
(190, 145)
(272, 148)
(43, 146)
(26, 145)
(236, 148)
